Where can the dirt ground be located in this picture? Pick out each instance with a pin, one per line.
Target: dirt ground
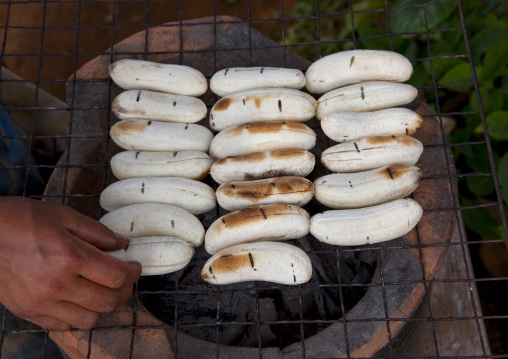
(61, 41)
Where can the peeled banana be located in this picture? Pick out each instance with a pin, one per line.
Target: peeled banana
(354, 66)
(349, 126)
(237, 79)
(264, 261)
(149, 105)
(146, 75)
(297, 191)
(143, 135)
(154, 219)
(365, 97)
(157, 255)
(262, 136)
(352, 227)
(187, 164)
(372, 152)
(193, 196)
(363, 189)
(266, 104)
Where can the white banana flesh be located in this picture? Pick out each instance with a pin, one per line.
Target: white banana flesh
(276, 222)
(363, 189)
(372, 152)
(355, 66)
(266, 104)
(365, 97)
(186, 164)
(143, 135)
(349, 126)
(149, 105)
(146, 75)
(193, 196)
(236, 79)
(296, 191)
(157, 255)
(262, 136)
(260, 165)
(352, 227)
(264, 261)
(154, 219)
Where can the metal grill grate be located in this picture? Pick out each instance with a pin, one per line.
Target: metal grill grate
(77, 57)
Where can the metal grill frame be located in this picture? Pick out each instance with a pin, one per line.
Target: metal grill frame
(259, 287)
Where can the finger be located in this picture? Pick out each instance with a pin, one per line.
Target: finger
(91, 231)
(50, 323)
(96, 297)
(106, 270)
(74, 315)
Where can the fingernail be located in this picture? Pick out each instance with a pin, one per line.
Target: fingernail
(122, 239)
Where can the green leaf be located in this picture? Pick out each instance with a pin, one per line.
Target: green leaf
(458, 75)
(412, 19)
(481, 185)
(492, 99)
(486, 38)
(480, 221)
(497, 123)
(495, 62)
(502, 174)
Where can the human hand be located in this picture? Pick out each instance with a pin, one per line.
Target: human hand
(53, 271)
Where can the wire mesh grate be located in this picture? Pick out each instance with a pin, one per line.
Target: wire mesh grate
(278, 24)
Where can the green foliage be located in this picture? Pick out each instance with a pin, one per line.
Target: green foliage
(487, 26)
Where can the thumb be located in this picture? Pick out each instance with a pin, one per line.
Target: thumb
(91, 231)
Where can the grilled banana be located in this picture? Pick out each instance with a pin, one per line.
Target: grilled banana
(372, 152)
(297, 191)
(142, 135)
(262, 136)
(228, 81)
(352, 227)
(146, 75)
(350, 126)
(363, 189)
(259, 165)
(157, 255)
(193, 196)
(257, 223)
(266, 104)
(149, 105)
(354, 66)
(187, 164)
(365, 97)
(154, 219)
(264, 261)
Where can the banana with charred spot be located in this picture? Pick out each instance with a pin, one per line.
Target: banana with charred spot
(186, 164)
(193, 196)
(354, 66)
(260, 165)
(265, 261)
(262, 136)
(157, 255)
(154, 219)
(266, 104)
(235, 79)
(352, 227)
(372, 152)
(349, 126)
(146, 75)
(297, 191)
(365, 97)
(149, 105)
(257, 223)
(142, 135)
(363, 189)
